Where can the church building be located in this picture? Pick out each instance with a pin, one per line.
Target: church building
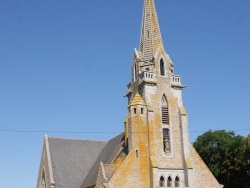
(154, 150)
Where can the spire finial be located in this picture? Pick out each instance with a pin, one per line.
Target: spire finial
(150, 31)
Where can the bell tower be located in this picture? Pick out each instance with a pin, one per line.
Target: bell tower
(154, 79)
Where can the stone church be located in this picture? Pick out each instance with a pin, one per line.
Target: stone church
(153, 151)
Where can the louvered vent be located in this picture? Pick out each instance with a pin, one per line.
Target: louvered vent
(164, 115)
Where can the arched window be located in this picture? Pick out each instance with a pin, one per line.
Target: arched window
(162, 68)
(162, 182)
(169, 183)
(165, 121)
(177, 182)
(164, 111)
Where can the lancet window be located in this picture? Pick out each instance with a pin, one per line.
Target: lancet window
(162, 182)
(169, 182)
(177, 182)
(162, 68)
(164, 111)
(165, 121)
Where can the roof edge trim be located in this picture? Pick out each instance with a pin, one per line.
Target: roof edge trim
(46, 139)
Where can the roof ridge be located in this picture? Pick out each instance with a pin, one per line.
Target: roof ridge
(63, 138)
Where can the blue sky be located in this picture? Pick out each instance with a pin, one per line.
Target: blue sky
(64, 66)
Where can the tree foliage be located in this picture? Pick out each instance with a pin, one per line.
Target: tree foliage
(227, 155)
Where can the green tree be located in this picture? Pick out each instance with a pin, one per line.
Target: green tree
(227, 155)
(247, 154)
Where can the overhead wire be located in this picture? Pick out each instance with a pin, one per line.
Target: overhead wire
(100, 132)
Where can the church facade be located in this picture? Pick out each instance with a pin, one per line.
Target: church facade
(153, 151)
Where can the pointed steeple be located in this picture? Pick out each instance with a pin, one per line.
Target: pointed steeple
(150, 31)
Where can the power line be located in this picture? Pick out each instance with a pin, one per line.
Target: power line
(96, 132)
(51, 131)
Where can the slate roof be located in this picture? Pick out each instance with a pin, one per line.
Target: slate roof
(108, 154)
(72, 160)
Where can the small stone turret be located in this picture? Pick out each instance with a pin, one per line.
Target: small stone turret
(137, 124)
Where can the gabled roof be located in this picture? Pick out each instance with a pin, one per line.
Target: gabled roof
(72, 159)
(108, 154)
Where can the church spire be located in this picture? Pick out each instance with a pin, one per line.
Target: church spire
(150, 31)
